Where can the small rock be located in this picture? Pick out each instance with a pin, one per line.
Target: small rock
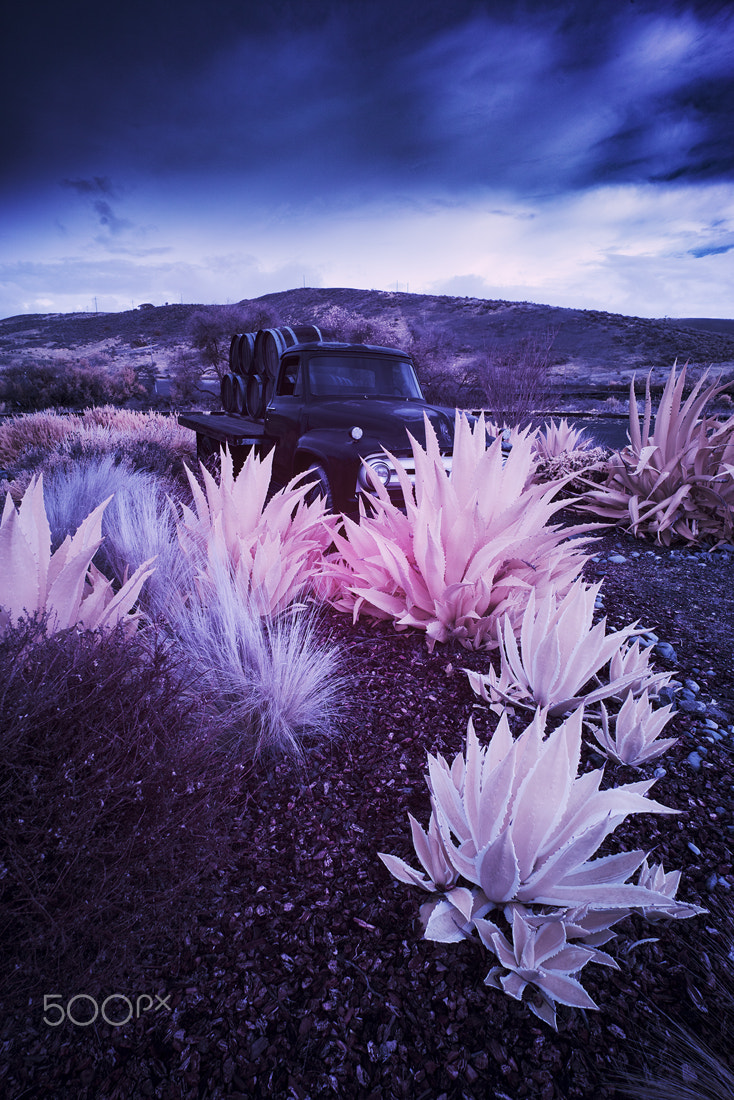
(617, 558)
(691, 706)
(694, 760)
(693, 686)
(711, 880)
(693, 848)
(666, 651)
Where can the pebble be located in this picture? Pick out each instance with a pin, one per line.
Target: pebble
(694, 760)
(692, 848)
(691, 685)
(617, 558)
(666, 651)
(691, 706)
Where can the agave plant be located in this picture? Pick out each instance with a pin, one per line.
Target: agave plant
(468, 549)
(637, 728)
(558, 437)
(273, 547)
(560, 654)
(66, 584)
(675, 482)
(516, 822)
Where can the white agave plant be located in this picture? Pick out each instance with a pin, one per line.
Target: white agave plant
(468, 548)
(64, 584)
(516, 822)
(635, 738)
(560, 652)
(273, 547)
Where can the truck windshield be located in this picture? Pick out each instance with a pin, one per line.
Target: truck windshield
(362, 375)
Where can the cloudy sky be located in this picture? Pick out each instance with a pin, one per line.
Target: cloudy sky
(575, 153)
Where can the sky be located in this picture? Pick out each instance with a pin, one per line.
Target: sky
(574, 153)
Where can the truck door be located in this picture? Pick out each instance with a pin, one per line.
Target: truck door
(283, 416)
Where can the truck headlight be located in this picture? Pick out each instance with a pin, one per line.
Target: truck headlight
(377, 466)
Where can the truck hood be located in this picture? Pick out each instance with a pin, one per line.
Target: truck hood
(387, 421)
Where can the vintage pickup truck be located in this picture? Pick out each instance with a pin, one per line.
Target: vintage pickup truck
(330, 409)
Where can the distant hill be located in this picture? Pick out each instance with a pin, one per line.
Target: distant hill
(591, 348)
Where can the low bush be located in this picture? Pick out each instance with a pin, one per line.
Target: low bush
(271, 683)
(29, 386)
(103, 806)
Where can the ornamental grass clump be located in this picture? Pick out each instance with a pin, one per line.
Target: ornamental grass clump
(556, 658)
(470, 547)
(64, 585)
(273, 684)
(674, 483)
(273, 547)
(513, 830)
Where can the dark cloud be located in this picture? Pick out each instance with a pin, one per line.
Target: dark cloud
(351, 98)
(711, 250)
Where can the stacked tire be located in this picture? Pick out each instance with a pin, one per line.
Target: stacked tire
(254, 358)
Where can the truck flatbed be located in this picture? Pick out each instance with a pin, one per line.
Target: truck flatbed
(238, 431)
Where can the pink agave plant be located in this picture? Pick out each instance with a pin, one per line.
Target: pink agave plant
(272, 547)
(470, 546)
(559, 655)
(635, 737)
(65, 584)
(519, 825)
(675, 481)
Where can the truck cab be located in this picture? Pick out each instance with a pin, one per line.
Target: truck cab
(335, 404)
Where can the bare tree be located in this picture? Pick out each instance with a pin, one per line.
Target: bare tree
(210, 330)
(515, 380)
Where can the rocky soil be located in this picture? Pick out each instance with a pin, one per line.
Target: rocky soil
(297, 969)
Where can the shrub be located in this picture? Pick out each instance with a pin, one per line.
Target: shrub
(138, 524)
(210, 330)
(103, 811)
(468, 549)
(515, 380)
(676, 482)
(29, 386)
(518, 824)
(47, 441)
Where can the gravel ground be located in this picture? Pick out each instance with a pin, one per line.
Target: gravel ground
(297, 967)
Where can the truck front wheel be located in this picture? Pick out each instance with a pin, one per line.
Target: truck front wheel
(320, 487)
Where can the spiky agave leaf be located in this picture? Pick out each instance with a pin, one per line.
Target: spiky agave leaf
(558, 437)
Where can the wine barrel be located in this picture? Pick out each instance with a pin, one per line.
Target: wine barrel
(246, 353)
(226, 393)
(270, 343)
(255, 396)
(234, 352)
(239, 395)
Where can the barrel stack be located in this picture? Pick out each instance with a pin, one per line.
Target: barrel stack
(254, 358)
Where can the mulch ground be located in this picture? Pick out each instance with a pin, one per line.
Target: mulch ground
(296, 968)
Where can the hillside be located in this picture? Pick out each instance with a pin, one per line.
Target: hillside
(591, 349)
